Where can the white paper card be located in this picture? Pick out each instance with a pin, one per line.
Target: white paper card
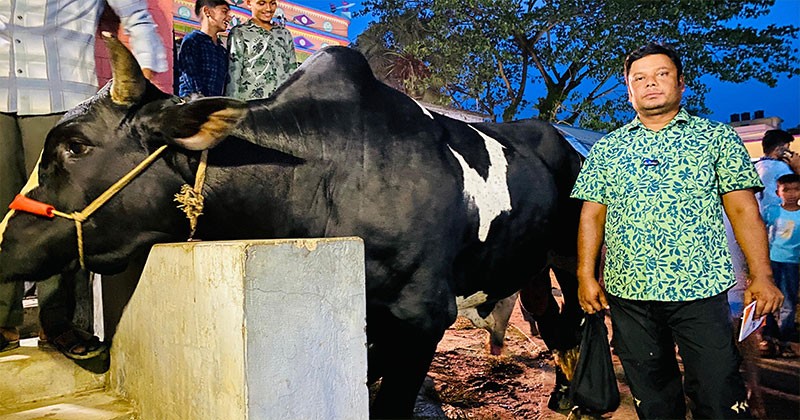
(748, 323)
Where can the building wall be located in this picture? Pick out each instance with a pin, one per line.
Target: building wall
(311, 28)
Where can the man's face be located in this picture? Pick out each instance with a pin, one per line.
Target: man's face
(654, 87)
(262, 10)
(219, 17)
(789, 192)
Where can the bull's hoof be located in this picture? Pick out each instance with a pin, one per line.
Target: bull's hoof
(495, 349)
(578, 413)
(559, 399)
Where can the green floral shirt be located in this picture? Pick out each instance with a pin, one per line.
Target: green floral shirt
(260, 60)
(664, 233)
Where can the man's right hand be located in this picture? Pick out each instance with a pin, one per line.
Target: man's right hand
(793, 160)
(591, 296)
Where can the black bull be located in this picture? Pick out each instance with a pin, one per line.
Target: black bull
(446, 209)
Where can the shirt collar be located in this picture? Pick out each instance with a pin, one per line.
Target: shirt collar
(254, 25)
(681, 117)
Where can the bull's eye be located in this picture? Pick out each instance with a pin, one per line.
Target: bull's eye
(75, 148)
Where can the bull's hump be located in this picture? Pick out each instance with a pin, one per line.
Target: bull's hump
(490, 195)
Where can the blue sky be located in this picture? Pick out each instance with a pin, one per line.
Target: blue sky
(781, 101)
(724, 98)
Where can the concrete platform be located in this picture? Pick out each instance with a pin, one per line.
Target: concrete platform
(30, 374)
(96, 405)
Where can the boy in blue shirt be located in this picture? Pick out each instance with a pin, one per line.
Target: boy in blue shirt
(783, 225)
(203, 60)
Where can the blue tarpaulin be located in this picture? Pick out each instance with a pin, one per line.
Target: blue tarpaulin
(581, 139)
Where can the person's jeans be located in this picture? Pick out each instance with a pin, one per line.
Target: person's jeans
(11, 305)
(787, 277)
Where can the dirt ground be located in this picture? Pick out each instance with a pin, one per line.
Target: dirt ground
(466, 382)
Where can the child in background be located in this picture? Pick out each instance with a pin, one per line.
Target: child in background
(261, 54)
(203, 60)
(783, 225)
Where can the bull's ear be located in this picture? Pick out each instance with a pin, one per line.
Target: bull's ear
(202, 123)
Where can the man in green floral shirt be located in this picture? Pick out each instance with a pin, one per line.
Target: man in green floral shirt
(655, 190)
(261, 54)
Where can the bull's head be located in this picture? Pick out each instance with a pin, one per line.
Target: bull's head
(92, 147)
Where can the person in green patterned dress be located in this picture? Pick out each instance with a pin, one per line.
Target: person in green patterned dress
(261, 54)
(654, 190)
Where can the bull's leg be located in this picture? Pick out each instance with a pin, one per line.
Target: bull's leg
(501, 314)
(541, 311)
(537, 303)
(404, 356)
(495, 323)
(558, 327)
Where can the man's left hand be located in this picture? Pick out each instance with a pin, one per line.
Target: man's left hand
(767, 296)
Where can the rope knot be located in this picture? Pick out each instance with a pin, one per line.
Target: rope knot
(191, 202)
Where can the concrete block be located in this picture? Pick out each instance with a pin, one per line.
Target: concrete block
(246, 330)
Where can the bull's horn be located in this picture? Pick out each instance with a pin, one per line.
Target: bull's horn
(128, 84)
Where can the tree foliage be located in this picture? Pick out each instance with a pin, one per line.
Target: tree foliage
(487, 54)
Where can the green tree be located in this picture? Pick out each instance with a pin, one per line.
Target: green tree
(396, 58)
(486, 54)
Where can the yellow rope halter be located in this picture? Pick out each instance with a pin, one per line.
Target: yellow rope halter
(193, 206)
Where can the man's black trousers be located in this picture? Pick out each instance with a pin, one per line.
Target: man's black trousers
(645, 334)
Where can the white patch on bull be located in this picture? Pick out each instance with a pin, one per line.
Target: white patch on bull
(424, 110)
(491, 195)
(32, 183)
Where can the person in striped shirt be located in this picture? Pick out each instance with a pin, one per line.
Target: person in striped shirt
(47, 66)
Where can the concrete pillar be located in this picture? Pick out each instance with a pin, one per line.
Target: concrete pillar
(246, 330)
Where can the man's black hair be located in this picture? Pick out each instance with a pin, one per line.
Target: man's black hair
(788, 178)
(198, 6)
(650, 49)
(774, 138)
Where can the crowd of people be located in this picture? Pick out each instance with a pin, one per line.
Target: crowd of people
(778, 202)
(44, 83)
(259, 57)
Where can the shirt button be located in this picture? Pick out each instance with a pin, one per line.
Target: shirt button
(18, 41)
(19, 71)
(19, 17)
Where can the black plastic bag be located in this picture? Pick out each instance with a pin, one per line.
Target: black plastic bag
(594, 385)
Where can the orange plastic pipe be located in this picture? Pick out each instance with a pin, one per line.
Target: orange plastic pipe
(22, 203)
